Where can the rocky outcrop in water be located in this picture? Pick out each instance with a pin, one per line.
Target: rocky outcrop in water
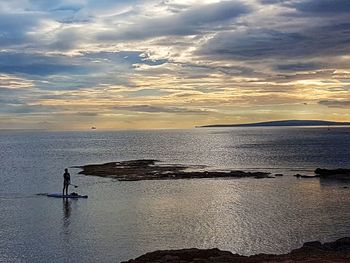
(338, 251)
(136, 170)
(305, 176)
(333, 174)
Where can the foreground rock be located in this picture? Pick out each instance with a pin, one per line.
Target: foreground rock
(333, 174)
(137, 170)
(338, 251)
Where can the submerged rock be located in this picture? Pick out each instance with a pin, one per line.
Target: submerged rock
(305, 176)
(338, 251)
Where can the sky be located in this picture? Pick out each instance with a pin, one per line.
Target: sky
(73, 64)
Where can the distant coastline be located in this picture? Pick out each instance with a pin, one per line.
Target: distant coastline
(282, 123)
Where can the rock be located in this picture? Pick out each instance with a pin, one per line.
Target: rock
(305, 176)
(333, 174)
(136, 170)
(169, 258)
(263, 175)
(184, 255)
(338, 251)
(278, 174)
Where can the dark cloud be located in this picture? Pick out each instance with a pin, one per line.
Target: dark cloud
(36, 64)
(14, 27)
(26, 17)
(42, 69)
(335, 103)
(252, 44)
(67, 39)
(60, 72)
(189, 22)
(324, 7)
(210, 13)
(298, 67)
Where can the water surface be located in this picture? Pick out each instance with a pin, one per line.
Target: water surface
(121, 220)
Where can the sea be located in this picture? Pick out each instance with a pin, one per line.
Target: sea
(123, 220)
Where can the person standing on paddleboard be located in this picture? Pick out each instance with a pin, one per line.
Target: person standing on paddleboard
(66, 181)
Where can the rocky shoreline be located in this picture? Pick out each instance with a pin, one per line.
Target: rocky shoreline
(337, 251)
(136, 170)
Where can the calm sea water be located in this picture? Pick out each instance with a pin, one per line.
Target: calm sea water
(122, 220)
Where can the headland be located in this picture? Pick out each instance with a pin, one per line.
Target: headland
(311, 252)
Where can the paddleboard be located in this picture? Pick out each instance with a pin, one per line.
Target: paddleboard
(66, 196)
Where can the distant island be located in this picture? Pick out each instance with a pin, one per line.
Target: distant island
(281, 123)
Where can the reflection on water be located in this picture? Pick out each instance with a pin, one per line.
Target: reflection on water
(67, 210)
(66, 232)
(337, 183)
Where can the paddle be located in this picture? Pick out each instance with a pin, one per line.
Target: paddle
(75, 186)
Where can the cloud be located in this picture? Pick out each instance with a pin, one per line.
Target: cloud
(339, 89)
(147, 93)
(189, 22)
(324, 7)
(9, 101)
(13, 82)
(123, 57)
(299, 67)
(335, 103)
(60, 72)
(37, 64)
(88, 114)
(272, 1)
(254, 44)
(29, 109)
(159, 109)
(15, 26)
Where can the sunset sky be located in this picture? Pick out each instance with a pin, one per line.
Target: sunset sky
(73, 64)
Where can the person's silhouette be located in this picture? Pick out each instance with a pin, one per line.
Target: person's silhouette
(66, 181)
